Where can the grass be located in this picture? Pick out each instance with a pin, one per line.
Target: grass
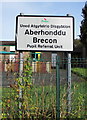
(80, 92)
(80, 71)
(40, 101)
(37, 102)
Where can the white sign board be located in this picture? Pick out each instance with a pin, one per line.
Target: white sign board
(44, 33)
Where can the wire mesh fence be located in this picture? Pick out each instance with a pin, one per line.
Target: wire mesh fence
(78, 89)
(38, 89)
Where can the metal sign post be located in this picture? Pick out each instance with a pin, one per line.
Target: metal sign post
(68, 82)
(20, 89)
(20, 75)
(46, 33)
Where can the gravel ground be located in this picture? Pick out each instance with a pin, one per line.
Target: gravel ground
(39, 78)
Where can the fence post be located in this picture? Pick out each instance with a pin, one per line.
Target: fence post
(57, 89)
(69, 83)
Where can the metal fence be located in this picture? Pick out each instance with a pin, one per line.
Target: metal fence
(78, 104)
(32, 95)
